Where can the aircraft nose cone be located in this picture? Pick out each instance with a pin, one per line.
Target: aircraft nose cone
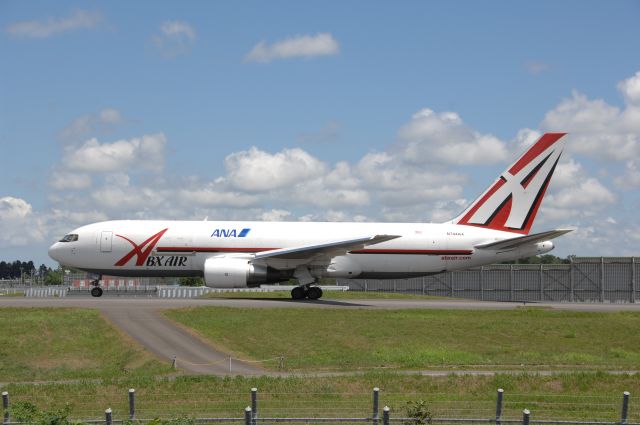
(54, 251)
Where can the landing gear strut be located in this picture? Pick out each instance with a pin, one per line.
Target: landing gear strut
(96, 291)
(302, 292)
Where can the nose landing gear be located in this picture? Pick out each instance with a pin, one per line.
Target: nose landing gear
(96, 291)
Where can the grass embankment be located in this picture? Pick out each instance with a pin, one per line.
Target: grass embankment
(335, 339)
(61, 344)
(52, 344)
(586, 396)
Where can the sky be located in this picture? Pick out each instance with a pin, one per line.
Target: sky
(313, 111)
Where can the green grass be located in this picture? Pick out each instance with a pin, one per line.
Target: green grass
(63, 344)
(586, 396)
(12, 294)
(51, 344)
(350, 339)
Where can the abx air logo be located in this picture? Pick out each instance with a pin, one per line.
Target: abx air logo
(141, 251)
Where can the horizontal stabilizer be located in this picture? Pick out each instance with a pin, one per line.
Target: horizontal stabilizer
(523, 240)
(329, 248)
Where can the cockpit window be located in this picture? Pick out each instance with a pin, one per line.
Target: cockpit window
(69, 238)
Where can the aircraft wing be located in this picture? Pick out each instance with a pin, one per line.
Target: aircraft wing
(523, 240)
(329, 248)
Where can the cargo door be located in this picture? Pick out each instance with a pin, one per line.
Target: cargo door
(106, 240)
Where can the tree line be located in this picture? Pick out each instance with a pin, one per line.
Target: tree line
(13, 270)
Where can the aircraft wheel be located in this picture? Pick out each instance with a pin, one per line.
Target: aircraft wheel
(298, 293)
(314, 293)
(96, 292)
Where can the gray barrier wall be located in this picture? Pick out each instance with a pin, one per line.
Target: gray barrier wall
(586, 279)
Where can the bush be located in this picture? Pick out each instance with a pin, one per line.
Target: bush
(417, 413)
(191, 281)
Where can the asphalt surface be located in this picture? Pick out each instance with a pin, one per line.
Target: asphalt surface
(140, 318)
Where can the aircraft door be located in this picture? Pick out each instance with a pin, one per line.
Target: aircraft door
(106, 241)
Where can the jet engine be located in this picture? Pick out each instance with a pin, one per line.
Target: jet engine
(225, 272)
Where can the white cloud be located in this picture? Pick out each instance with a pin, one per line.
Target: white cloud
(443, 137)
(91, 124)
(64, 180)
(129, 199)
(536, 67)
(306, 46)
(211, 196)
(146, 152)
(19, 225)
(597, 129)
(178, 29)
(329, 133)
(630, 89)
(110, 116)
(255, 170)
(175, 38)
(275, 215)
(80, 19)
(526, 137)
(588, 193)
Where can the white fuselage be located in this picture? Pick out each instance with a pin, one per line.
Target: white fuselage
(145, 248)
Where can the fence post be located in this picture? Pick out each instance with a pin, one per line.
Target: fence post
(633, 280)
(511, 293)
(499, 406)
(108, 418)
(625, 407)
(229, 364)
(423, 285)
(525, 417)
(571, 273)
(451, 283)
(247, 415)
(481, 283)
(132, 403)
(601, 279)
(376, 417)
(174, 363)
(541, 283)
(385, 415)
(254, 405)
(281, 365)
(5, 406)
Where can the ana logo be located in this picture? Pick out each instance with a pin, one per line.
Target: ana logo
(141, 251)
(230, 233)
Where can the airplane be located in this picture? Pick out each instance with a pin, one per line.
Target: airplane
(245, 254)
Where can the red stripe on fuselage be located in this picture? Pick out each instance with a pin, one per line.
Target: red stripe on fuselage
(210, 249)
(169, 249)
(414, 251)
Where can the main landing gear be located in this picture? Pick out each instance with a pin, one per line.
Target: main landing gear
(302, 292)
(96, 291)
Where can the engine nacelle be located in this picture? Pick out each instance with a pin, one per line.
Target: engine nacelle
(229, 272)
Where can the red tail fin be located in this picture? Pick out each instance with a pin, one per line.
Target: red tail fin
(512, 201)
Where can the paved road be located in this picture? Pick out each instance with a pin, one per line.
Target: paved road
(140, 318)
